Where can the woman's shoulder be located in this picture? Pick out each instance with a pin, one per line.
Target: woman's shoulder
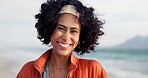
(28, 66)
(90, 62)
(93, 66)
(28, 71)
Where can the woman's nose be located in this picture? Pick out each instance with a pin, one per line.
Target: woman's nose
(66, 36)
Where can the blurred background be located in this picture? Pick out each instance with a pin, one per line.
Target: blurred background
(123, 50)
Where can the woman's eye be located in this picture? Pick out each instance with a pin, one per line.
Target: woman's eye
(74, 31)
(61, 29)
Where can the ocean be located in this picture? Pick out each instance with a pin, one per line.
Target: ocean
(117, 63)
(123, 63)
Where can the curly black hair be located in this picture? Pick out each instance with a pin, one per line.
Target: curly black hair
(90, 25)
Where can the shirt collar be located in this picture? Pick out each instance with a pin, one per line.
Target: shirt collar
(39, 64)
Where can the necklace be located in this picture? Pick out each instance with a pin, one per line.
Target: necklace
(54, 70)
(57, 68)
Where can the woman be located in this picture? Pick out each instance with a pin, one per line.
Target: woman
(68, 26)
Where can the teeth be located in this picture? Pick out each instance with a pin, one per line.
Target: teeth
(64, 45)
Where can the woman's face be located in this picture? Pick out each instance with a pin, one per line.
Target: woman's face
(66, 35)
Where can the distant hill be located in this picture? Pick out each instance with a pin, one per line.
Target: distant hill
(137, 42)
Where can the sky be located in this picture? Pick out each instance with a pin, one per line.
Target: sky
(125, 19)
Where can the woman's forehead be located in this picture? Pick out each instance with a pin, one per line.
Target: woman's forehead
(69, 20)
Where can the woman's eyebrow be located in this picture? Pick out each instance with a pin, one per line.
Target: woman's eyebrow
(75, 28)
(66, 27)
(61, 25)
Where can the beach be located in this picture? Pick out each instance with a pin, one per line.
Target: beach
(117, 63)
(13, 59)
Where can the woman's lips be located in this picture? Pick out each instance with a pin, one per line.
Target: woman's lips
(65, 45)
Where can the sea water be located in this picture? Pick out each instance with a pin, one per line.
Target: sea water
(117, 63)
(123, 63)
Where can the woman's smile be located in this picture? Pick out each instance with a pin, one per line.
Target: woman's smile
(64, 45)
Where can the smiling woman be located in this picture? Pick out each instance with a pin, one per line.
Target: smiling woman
(68, 26)
(66, 35)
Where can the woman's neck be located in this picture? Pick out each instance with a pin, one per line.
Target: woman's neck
(58, 61)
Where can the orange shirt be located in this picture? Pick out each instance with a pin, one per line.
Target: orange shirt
(79, 68)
